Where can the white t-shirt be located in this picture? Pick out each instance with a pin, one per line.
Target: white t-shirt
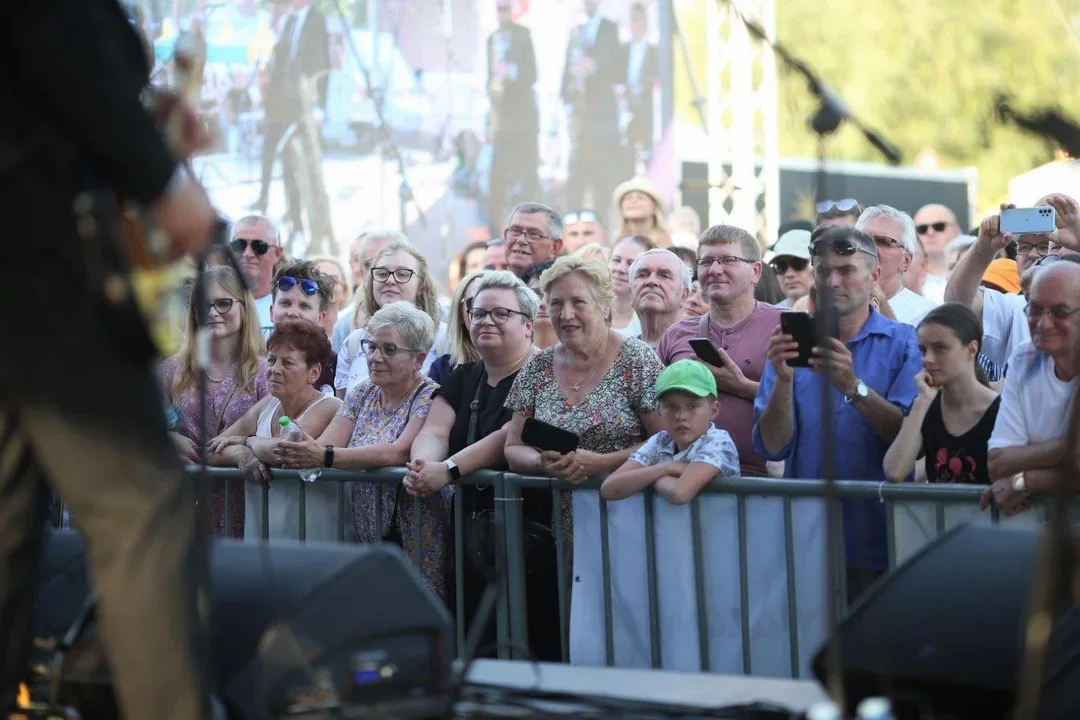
(934, 288)
(262, 307)
(1035, 404)
(1005, 326)
(633, 329)
(910, 307)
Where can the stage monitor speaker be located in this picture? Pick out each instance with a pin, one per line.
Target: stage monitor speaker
(942, 635)
(358, 616)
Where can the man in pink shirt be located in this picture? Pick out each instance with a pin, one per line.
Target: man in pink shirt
(729, 266)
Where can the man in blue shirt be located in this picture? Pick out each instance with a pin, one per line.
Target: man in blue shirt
(872, 367)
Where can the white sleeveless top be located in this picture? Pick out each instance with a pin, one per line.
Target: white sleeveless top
(283, 497)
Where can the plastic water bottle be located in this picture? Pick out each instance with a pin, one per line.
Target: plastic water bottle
(292, 432)
(875, 708)
(825, 710)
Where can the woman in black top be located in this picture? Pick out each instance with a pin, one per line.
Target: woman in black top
(950, 422)
(457, 440)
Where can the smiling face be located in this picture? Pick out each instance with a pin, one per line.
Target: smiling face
(390, 288)
(529, 241)
(726, 275)
(1054, 308)
(636, 205)
(490, 336)
(576, 315)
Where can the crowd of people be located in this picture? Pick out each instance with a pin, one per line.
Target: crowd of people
(953, 359)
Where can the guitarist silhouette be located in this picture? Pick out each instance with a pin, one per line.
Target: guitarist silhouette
(80, 410)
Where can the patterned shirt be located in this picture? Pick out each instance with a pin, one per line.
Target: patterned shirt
(715, 447)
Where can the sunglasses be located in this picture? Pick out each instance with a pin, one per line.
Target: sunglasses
(259, 247)
(845, 205)
(781, 266)
(886, 241)
(938, 227)
(288, 282)
(572, 218)
(843, 248)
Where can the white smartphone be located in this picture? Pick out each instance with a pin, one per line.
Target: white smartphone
(1026, 221)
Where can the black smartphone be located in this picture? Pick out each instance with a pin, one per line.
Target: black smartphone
(544, 436)
(705, 350)
(800, 326)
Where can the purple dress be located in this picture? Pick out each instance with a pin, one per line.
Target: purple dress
(187, 407)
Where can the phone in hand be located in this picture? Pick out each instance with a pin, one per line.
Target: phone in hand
(800, 326)
(1029, 220)
(705, 350)
(544, 436)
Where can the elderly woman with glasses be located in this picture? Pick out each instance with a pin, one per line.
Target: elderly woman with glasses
(398, 273)
(236, 381)
(376, 427)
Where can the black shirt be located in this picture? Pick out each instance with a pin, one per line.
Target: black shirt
(957, 459)
(328, 370)
(460, 389)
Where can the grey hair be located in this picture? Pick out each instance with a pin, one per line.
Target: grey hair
(555, 224)
(686, 274)
(962, 242)
(249, 220)
(527, 301)
(414, 325)
(907, 225)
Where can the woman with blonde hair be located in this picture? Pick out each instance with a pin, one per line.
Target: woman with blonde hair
(642, 211)
(236, 380)
(461, 348)
(334, 268)
(399, 273)
(593, 252)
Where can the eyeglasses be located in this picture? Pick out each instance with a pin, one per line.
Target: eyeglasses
(1058, 312)
(286, 283)
(498, 315)
(576, 216)
(886, 241)
(781, 266)
(240, 245)
(1040, 249)
(222, 305)
(938, 227)
(515, 233)
(388, 350)
(401, 275)
(845, 205)
(704, 264)
(843, 248)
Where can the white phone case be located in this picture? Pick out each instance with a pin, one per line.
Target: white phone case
(1026, 221)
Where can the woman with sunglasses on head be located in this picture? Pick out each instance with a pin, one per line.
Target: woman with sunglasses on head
(236, 380)
(951, 420)
(399, 273)
(375, 428)
(457, 330)
(296, 353)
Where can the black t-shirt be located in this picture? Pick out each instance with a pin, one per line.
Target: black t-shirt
(327, 376)
(957, 459)
(491, 414)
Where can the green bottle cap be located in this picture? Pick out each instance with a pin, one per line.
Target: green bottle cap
(284, 421)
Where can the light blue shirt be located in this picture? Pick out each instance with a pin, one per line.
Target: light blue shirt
(886, 357)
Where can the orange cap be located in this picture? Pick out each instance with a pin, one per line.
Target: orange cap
(1003, 275)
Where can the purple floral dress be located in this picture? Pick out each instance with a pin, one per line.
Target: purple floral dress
(187, 407)
(373, 425)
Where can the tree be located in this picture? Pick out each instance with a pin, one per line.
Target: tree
(925, 73)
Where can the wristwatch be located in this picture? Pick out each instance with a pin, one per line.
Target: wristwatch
(328, 458)
(451, 466)
(861, 391)
(1018, 482)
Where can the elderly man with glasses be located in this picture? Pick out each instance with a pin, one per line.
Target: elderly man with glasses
(256, 243)
(894, 234)
(869, 373)
(534, 233)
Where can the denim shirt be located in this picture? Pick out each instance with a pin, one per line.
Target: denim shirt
(886, 358)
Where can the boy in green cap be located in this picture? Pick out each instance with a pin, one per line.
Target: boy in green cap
(689, 452)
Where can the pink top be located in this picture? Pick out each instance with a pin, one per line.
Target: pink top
(747, 344)
(187, 405)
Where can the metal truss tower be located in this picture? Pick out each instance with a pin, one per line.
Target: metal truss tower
(744, 174)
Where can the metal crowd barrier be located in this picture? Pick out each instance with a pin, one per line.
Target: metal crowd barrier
(511, 620)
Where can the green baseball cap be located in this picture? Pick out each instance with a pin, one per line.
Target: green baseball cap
(689, 376)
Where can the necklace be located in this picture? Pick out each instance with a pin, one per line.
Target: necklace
(603, 350)
(211, 378)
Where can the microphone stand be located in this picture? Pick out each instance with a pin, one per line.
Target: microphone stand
(828, 118)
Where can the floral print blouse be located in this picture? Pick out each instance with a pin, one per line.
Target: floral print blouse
(186, 406)
(372, 424)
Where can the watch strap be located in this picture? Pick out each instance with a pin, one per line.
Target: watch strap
(455, 472)
(328, 458)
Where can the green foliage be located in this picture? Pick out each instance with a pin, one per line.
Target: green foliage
(925, 73)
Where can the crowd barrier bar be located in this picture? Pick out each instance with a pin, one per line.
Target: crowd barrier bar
(511, 619)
